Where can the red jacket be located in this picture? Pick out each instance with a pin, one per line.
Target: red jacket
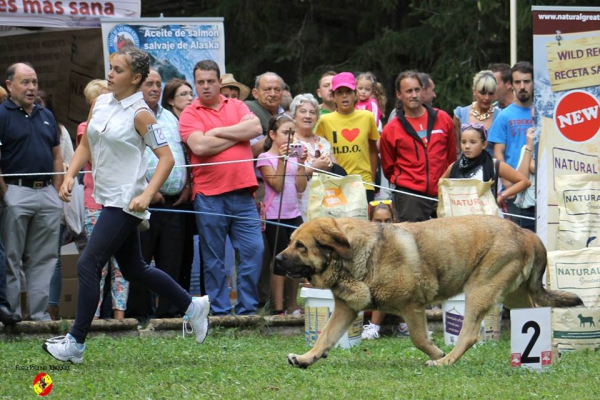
(412, 163)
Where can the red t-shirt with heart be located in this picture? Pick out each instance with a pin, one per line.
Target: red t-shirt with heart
(349, 136)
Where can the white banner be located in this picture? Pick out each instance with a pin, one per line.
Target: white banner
(175, 45)
(65, 14)
(566, 59)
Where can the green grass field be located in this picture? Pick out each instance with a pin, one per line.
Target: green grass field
(231, 365)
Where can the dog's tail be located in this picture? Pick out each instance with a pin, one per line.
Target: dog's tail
(541, 296)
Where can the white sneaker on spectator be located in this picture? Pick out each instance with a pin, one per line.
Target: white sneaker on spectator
(197, 316)
(65, 348)
(370, 331)
(402, 330)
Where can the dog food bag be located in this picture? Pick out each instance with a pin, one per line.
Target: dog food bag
(576, 271)
(576, 328)
(337, 197)
(465, 197)
(579, 211)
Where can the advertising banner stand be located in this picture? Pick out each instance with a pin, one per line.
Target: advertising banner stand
(175, 45)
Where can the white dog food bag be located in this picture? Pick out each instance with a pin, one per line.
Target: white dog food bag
(579, 211)
(576, 271)
(335, 197)
(465, 197)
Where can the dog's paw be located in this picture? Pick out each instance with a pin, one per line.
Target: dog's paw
(440, 362)
(294, 361)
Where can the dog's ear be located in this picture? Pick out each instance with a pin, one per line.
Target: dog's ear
(330, 236)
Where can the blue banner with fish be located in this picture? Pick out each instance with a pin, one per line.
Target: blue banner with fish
(175, 45)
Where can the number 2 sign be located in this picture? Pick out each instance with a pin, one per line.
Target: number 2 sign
(531, 337)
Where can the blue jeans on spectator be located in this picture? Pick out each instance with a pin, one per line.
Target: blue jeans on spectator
(528, 223)
(116, 234)
(246, 238)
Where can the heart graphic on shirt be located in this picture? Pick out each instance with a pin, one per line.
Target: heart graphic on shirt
(350, 134)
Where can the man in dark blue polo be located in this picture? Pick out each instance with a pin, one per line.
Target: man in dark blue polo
(30, 217)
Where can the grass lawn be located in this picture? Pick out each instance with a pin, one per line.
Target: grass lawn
(231, 365)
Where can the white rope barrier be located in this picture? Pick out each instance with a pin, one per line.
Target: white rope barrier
(266, 158)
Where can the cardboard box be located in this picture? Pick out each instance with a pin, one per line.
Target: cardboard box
(68, 297)
(68, 260)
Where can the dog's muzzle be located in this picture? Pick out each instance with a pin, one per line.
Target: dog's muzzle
(291, 269)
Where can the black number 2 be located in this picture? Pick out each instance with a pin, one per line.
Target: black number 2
(525, 359)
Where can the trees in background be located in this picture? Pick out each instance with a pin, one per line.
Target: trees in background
(301, 39)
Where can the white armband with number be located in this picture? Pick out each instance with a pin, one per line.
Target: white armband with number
(155, 137)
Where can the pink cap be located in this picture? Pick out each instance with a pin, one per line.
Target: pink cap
(343, 79)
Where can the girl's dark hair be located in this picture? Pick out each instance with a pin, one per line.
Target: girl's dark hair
(170, 90)
(274, 124)
(382, 206)
(139, 61)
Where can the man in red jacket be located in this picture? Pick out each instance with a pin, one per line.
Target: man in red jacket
(416, 148)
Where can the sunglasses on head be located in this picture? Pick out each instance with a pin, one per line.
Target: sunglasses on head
(375, 203)
(475, 125)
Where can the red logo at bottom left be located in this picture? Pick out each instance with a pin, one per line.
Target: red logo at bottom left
(42, 384)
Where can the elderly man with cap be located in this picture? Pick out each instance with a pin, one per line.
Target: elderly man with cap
(233, 89)
(352, 133)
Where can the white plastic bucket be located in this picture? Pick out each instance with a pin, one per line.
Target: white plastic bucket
(453, 311)
(318, 306)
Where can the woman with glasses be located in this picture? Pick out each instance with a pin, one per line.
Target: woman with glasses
(482, 110)
(475, 163)
(177, 95)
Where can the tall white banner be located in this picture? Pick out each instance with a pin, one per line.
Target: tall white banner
(566, 59)
(175, 45)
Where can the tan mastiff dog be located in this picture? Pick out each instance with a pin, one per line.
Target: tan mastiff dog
(401, 268)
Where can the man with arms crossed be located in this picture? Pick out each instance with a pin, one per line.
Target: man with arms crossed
(218, 129)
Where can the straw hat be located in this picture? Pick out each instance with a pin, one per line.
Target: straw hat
(229, 80)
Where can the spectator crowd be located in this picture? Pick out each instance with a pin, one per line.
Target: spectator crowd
(229, 145)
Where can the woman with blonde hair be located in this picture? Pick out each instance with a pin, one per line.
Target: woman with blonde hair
(482, 110)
